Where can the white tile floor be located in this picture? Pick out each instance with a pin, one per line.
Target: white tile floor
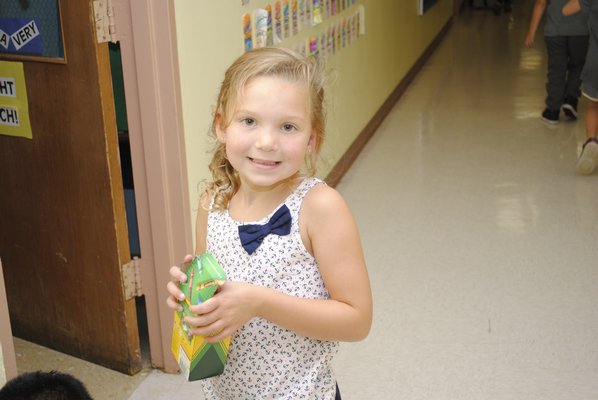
(481, 241)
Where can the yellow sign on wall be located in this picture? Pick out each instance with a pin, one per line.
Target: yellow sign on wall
(14, 108)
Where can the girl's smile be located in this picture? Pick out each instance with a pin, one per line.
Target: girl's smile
(264, 163)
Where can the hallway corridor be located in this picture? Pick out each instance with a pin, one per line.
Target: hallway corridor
(481, 239)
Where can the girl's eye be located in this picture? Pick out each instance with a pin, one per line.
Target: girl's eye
(248, 121)
(288, 127)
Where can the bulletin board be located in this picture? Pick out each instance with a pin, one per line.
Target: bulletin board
(31, 30)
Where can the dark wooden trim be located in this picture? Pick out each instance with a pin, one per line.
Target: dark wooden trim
(346, 160)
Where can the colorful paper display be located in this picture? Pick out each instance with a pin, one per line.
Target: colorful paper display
(247, 32)
(261, 28)
(315, 28)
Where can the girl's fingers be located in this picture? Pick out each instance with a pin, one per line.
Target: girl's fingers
(215, 337)
(177, 275)
(204, 308)
(201, 321)
(174, 291)
(212, 333)
(173, 303)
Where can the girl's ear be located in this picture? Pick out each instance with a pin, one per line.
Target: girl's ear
(220, 132)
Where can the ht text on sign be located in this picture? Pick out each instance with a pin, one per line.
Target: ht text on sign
(8, 115)
(14, 106)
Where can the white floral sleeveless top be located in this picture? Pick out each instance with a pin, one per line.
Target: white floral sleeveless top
(266, 361)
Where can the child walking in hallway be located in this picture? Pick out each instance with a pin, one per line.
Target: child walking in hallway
(588, 159)
(301, 285)
(566, 40)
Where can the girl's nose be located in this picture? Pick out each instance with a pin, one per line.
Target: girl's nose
(266, 139)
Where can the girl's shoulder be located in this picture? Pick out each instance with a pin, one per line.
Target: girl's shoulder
(323, 202)
(326, 222)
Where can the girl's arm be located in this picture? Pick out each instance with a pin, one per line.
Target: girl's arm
(330, 233)
(571, 7)
(537, 13)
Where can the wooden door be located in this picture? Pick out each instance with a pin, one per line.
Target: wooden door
(63, 234)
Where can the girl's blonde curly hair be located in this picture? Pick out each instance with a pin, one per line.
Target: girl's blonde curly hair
(268, 61)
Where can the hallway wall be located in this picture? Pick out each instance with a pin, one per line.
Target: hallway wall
(209, 38)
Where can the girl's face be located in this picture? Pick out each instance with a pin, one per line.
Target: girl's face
(270, 131)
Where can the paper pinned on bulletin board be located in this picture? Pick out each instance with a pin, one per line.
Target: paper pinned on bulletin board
(14, 107)
(314, 28)
(361, 20)
(261, 17)
(20, 35)
(247, 32)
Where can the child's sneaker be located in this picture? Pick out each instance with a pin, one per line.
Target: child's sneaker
(550, 116)
(588, 157)
(570, 108)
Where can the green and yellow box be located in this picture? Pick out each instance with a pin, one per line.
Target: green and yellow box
(198, 359)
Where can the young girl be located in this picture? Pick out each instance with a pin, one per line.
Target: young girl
(299, 285)
(588, 159)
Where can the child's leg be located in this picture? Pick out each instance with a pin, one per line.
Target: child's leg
(556, 47)
(592, 119)
(577, 47)
(588, 159)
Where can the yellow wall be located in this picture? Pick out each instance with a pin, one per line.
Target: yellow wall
(209, 38)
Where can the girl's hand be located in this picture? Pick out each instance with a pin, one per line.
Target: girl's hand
(177, 276)
(221, 316)
(529, 39)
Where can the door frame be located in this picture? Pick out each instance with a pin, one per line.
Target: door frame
(147, 34)
(8, 358)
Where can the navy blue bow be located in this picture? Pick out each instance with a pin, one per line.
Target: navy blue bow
(252, 235)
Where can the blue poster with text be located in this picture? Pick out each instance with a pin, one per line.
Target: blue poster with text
(20, 36)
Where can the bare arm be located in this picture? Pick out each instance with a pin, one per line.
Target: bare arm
(572, 7)
(333, 237)
(537, 13)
